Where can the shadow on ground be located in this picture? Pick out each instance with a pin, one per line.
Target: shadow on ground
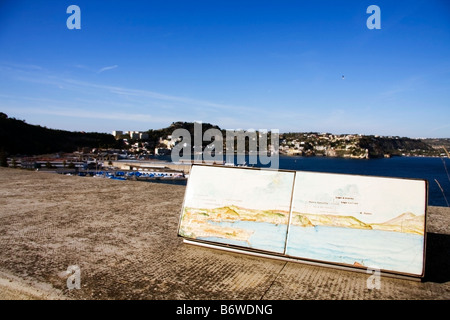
(437, 260)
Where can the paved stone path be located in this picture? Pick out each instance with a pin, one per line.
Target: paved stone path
(123, 236)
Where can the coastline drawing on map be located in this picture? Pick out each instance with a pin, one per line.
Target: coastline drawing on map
(352, 220)
(231, 207)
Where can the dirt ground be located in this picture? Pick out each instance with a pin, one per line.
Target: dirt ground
(123, 237)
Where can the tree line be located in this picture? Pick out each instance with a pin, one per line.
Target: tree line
(20, 138)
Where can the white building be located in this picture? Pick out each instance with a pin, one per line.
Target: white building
(117, 133)
(133, 134)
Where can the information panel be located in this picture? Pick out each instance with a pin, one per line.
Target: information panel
(349, 220)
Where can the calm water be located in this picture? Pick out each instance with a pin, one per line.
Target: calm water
(403, 167)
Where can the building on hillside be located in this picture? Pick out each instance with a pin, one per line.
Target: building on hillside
(134, 135)
(117, 133)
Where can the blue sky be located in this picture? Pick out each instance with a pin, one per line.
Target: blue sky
(139, 65)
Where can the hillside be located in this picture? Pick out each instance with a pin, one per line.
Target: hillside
(357, 146)
(406, 222)
(18, 137)
(310, 220)
(438, 143)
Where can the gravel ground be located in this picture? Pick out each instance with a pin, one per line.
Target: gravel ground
(123, 237)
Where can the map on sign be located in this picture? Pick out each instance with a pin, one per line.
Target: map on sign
(352, 220)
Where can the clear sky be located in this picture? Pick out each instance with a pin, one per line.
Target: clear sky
(139, 65)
